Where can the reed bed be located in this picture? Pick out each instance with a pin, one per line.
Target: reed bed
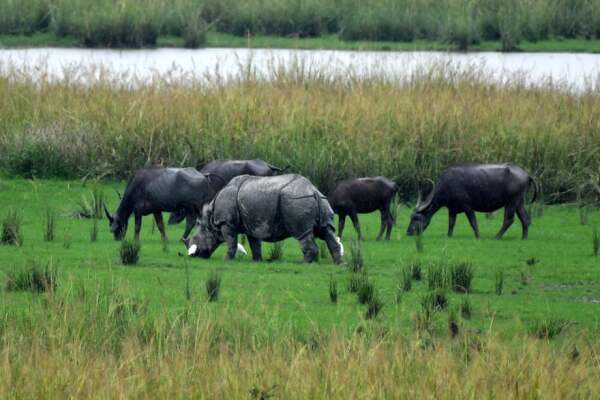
(134, 23)
(104, 344)
(326, 126)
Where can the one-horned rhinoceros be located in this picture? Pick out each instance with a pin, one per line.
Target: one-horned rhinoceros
(266, 209)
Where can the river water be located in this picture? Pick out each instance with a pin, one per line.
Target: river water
(568, 70)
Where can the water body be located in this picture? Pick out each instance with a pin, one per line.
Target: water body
(569, 70)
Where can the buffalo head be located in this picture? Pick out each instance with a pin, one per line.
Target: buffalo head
(421, 216)
(117, 226)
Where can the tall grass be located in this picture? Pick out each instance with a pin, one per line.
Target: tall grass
(134, 23)
(328, 120)
(114, 347)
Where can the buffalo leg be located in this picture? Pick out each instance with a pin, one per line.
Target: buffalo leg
(451, 223)
(356, 224)
(341, 223)
(509, 217)
(161, 226)
(335, 249)
(384, 221)
(390, 225)
(189, 224)
(255, 247)
(138, 226)
(309, 248)
(524, 218)
(473, 222)
(230, 237)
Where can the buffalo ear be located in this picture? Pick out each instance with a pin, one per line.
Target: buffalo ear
(110, 218)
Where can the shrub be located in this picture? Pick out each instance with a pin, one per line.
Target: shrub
(276, 251)
(194, 32)
(92, 207)
(213, 286)
(35, 278)
(130, 251)
(461, 276)
(11, 229)
(356, 281)
(333, 292)
(49, 225)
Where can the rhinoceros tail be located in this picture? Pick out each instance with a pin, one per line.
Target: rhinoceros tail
(534, 183)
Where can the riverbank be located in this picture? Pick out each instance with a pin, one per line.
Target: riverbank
(326, 42)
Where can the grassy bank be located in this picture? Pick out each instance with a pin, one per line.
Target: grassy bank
(450, 23)
(105, 330)
(329, 41)
(324, 126)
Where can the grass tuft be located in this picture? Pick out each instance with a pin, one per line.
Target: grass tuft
(94, 231)
(49, 225)
(466, 310)
(11, 229)
(374, 306)
(92, 206)
(461, 275)
(547, 328)
(35, 278)
(213, 286)
(365, 291)
(356, 263)
(437, 276)
(406, 279)
(130, 251)
(276, 252)
(333, 291)
(595, 242)
(499, 283)
(436, 300)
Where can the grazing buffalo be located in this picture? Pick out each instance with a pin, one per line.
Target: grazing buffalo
(476, 187)
(270, 209)
(362, 196)
(221, 172)
(154, 190)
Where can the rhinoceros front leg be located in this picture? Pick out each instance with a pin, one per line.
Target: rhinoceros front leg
(230, 236)
(309, 248)
(255, 247)
(333, 244)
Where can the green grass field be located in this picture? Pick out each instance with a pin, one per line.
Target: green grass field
(329, 42)
(563, 284)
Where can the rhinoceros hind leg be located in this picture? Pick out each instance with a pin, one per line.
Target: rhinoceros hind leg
(256, 248)
(309, 248)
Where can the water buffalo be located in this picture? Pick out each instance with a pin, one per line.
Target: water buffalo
(362, 196)
(222, 171)
(269, 209)
(476, 187)
(153, 190)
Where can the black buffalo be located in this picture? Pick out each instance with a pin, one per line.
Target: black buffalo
(154, 190)
(476, 187)
(220, 172)
(362, 196)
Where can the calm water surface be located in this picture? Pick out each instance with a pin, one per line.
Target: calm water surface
(572, 70)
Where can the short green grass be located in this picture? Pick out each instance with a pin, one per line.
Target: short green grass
(564, 284)
(330, 41)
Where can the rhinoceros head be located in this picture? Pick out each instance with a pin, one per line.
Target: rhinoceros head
(207, 238)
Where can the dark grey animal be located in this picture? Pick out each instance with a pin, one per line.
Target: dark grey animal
(476, 187)
(266, 209)
(221, 172)
(154, 190)
(363, 196)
